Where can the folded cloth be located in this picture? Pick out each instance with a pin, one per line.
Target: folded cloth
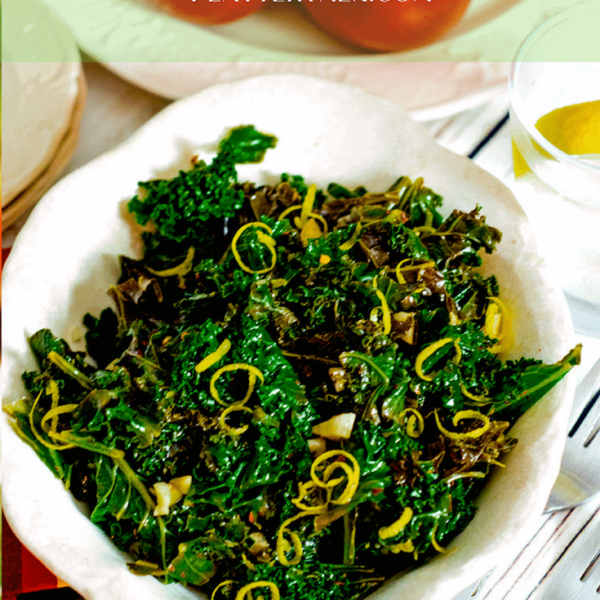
(21, 571)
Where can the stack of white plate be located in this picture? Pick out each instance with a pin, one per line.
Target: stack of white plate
(43, 94)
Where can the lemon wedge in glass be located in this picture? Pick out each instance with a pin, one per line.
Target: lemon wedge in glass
(573, 129)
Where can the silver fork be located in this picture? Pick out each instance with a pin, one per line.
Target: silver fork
(579, 477)
(572, 576)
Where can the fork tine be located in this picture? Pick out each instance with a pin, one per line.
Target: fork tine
(589, 423)
(588, 544)
(588, 569)
(579, 477)
(585, 397)
(593, 433)
(565, 579)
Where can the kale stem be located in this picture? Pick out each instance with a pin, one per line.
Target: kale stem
(322, 359)
(132, 476)
(66, 367)
(344, 356)
(125, 504)
(88, 443)
(349, 537)
(163, 542)
(144, 361)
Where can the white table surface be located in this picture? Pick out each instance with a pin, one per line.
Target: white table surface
(115, 109)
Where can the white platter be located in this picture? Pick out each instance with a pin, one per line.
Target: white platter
(339, 134)
(161, 53)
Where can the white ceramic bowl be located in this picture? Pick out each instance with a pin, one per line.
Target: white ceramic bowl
(66, 257)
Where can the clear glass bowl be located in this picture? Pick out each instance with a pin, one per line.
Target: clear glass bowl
(560, 192)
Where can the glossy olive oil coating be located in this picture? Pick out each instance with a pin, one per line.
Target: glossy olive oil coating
(298, 394)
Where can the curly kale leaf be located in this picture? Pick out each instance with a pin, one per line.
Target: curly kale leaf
(418, 202)
(190, 209)
(461, 236)
(43, 342)
(102, 336)
(533, 380)
(339, 191)
(245, 145)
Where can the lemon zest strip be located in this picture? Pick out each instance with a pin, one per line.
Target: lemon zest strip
(321, 220)
(459, 416)
(298, 222)
(265, 239)
(351, 486)
(296, 542)
(253, 374)
(397, 526)
(458, 355)
(434, 542)
(303, 491)
(407, 546)
(347, 245)
(214, 357)
(236, 407)
(352, 474)
(247, 562)
(268, 241)
(387, 317)
(180, 270)
(36, 433)
(53, 414)
(415, 417)
(258, 584)
(465, 475)
(411, 267)
(426, 353)
(53, 391)
(287, 211)
(223, 583)
(474, 397)
(307, 204)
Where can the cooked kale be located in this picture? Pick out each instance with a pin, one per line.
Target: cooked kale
(298, 391)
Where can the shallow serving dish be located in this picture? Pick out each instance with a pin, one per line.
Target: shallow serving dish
(67, 256)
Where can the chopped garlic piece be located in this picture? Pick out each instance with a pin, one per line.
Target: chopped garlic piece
(337, 428)
(182, 484)
(166, 496)
(317, 446)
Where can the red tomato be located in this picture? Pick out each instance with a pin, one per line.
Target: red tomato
(206, 12)
(387, 25)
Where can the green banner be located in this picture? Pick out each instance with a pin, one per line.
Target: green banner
(283, 31)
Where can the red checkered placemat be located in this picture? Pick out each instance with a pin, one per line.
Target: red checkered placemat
(22, 572)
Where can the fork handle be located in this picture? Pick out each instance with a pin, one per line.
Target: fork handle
(568, 492)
